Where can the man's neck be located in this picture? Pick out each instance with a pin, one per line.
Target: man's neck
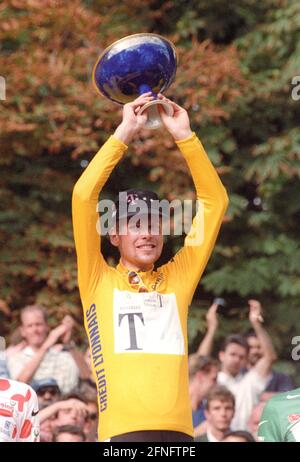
(132, 267)
(218, 434)
(229, 373)
(35, 348)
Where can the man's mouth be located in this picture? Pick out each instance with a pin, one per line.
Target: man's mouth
(146, 246)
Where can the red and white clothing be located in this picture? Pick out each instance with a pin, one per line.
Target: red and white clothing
(19, 420)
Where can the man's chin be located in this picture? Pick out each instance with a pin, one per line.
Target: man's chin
(148, 260)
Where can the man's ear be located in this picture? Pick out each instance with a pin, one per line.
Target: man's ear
(114, 238)
(221, 355)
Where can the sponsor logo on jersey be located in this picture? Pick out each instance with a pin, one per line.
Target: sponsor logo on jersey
(262, 422)
(293, 417)
(292, 396)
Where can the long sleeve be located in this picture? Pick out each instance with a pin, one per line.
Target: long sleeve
(91, 264)
(190, 262)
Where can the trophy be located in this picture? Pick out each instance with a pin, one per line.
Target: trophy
(134, 65)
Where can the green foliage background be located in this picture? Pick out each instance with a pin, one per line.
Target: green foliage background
(236, 63)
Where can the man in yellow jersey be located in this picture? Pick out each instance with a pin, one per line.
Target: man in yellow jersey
(136, 316)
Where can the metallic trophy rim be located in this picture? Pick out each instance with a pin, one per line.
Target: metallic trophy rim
(121, 40)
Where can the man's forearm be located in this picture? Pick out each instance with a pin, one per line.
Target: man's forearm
(182, 135)
(29, 370)
(49, 411)
(124, 133)
(265, 341)
(206, 346)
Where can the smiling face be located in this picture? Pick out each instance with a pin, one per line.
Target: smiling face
(140, 245)
(34, 328)
(255, 350)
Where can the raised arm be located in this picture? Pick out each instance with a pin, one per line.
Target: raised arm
(91, 264)
(206, 346)
(264, 364)
(191, 260)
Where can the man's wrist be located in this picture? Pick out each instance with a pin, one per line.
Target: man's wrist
(69, 346)
(44, 348)
(182, 135)
(124, 133)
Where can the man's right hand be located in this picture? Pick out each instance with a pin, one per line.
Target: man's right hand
(212, 317)
(132, 122)
(54, 335)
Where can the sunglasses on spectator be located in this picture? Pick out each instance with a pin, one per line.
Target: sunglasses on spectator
(51, 390)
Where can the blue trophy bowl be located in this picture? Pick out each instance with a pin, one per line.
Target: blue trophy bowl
(135, 65)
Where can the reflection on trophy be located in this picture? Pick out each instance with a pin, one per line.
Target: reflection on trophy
(135, 65)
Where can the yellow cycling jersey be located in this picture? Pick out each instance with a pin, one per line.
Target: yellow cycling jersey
(138, 340)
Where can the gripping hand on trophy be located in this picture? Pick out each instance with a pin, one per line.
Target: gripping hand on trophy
(178, 125)
(132, 122)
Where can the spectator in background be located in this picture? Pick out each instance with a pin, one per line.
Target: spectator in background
(89, 392)
(219, 411)
(234, 356)
(68, 434)
(278, 381)
(42, 358)
(203, 372)
(70, 411)
(91, 422)
(47, 428)
(238, 437)
(47, 391)
(16, 342)
(255, 417)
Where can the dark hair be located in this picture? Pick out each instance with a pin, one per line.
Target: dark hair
(237, 339)
(73, 429)
(201, 363)
(250, 333)
(75, 394)
(241, 434)
(220, 393)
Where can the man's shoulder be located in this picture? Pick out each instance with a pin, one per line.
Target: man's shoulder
(285, 398)
(21, 355)
(202, 438)
(14, 387)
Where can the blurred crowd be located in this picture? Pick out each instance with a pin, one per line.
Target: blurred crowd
(59, 373)
(227, 393)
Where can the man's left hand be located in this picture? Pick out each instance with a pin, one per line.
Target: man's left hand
(178, 124)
